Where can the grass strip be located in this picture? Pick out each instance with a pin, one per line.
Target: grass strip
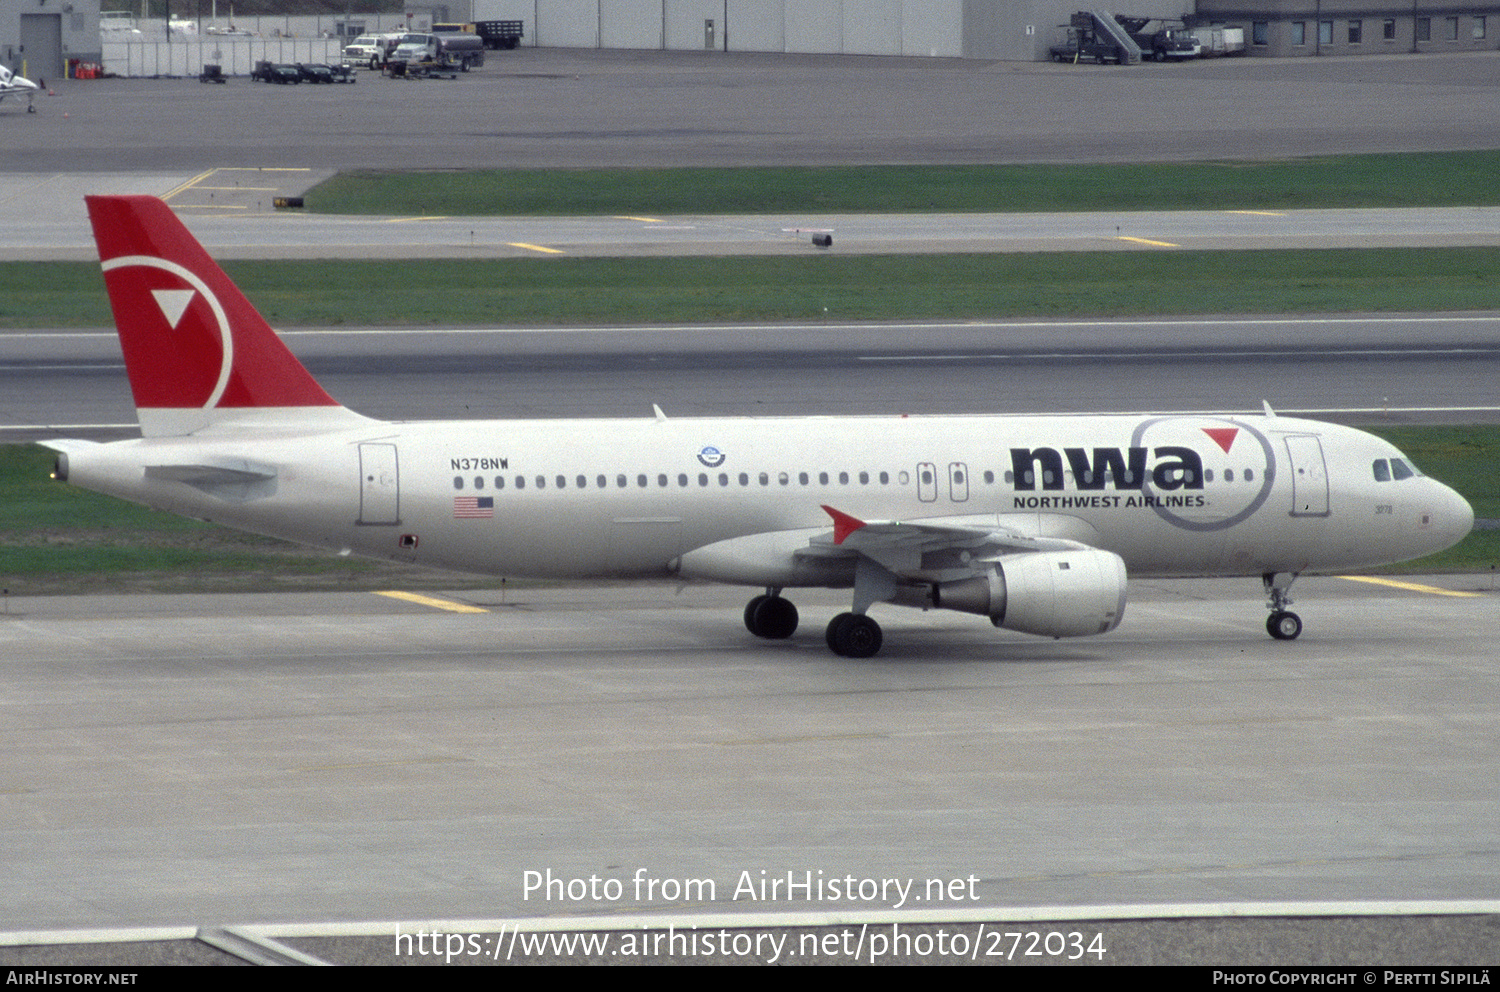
(1428, 179)
(812, 286)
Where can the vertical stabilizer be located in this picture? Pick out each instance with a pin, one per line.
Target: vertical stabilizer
(197, 353)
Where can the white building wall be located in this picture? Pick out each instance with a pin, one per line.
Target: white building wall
(873, 27)
(757, 26)
(815, 25)
(1004, 29)
(630, 24)
(567, 24)
(932, 29)
(686, 20)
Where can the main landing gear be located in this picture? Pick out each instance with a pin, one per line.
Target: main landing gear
(770, 616)
(1282, 624)
(851, 635)
(854, 635)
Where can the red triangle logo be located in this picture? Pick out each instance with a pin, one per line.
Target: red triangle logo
(1223, 436)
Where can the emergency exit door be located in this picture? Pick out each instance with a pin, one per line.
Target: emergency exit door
(379, 485)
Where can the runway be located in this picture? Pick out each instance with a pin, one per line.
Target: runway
(293, 759)
(1375, 369)
(61, 232)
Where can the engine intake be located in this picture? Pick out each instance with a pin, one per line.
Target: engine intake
(1050, 593)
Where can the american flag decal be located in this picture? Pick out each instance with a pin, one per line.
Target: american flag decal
(473, 507)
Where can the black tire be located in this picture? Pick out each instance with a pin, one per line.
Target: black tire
(750, 609)
(854, 635)
(1284, 625)
(776, 618)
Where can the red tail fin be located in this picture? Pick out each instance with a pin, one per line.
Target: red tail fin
(192, 341)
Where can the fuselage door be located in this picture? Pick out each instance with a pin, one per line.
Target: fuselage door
(927, 482)
(1309, 475)
(958, 482)
(379, 485)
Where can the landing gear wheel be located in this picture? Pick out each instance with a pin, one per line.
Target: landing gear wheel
(750, 609)
(771, 617)
(1284, 625)
(854, 635)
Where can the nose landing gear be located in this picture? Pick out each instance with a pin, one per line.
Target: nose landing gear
(1282, 624)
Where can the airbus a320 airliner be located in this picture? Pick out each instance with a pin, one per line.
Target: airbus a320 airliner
(1031, 521)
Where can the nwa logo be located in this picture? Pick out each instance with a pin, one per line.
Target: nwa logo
(1175, 468)
(1170, 476)
(711, 457)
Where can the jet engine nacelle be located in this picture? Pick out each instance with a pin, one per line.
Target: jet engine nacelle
(1051, 593)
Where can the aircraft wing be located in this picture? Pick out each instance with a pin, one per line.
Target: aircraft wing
(943, 549)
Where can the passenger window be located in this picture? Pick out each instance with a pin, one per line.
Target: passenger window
(682, 479)
(562, 482)
(499, 482)
(661, 480)
(478, 482)
(541, 482)
(458, 482)
(1382, 470)
(520, 482)
(822, 478)
(802, 477)
(702, 479)
(723, 478)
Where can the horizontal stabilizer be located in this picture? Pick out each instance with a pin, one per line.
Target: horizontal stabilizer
(235, 481)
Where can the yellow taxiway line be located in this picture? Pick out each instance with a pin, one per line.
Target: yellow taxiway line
(1409, 586)
(432, 601)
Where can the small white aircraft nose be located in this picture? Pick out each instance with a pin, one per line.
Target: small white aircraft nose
(1462, 514)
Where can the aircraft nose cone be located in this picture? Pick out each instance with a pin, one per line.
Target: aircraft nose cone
(1463, 515)
(1455, 518)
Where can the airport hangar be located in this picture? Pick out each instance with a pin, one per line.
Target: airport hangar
(43, 34)
(1006, 30)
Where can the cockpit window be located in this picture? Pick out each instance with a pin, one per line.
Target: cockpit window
(1395, 468)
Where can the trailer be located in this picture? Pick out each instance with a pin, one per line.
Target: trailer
(500, 34)
(1218, 40)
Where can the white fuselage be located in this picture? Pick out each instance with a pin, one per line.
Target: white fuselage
(1230, 495)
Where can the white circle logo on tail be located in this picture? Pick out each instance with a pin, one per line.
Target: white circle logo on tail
(173, 303)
